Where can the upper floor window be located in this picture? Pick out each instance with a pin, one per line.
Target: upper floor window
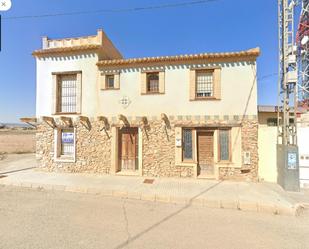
(67, 93)
(272, 121)
(204, 84)
(110, 81)
(152, 82)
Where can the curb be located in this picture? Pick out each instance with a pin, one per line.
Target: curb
(241, 205)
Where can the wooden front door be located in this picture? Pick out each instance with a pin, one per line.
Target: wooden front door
(205, 153)
(128, 149)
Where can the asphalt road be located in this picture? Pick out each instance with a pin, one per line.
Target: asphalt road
(46, 219)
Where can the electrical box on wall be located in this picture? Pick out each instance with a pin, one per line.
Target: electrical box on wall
(247, 158)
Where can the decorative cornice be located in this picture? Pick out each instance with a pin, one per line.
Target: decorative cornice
(251, 54)
(59, 50)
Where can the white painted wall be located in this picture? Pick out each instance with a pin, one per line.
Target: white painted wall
(303, 148)
(267, 144)
(48, 65)
(238, 90)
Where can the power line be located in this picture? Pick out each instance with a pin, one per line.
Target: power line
(263, 77)
(134, 9)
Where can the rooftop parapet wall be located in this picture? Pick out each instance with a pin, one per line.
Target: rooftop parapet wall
(75, 41)
(99, 42)
(70, 42)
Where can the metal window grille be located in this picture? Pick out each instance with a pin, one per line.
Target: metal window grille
(204, 84)
(187, 144)
(110, 81)
(153, 82)
(67, 142)
(224, 137)
(67, 93)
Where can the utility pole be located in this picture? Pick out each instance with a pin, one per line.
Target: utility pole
(302, 41)
(287, 150)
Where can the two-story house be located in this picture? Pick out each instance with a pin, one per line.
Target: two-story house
(172, 116)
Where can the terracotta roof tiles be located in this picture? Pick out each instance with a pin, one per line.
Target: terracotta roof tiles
(66, 49)
(178, 58)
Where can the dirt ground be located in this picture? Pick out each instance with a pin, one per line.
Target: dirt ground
(16, 141)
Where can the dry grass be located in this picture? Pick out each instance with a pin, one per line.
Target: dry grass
(16, 141)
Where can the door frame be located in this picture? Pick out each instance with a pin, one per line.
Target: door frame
(130, 132)
(213, 131)
(115, 132)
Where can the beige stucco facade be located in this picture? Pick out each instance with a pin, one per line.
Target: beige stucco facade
(159, 140)
(267, 152)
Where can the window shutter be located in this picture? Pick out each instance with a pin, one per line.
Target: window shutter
(54, 93)
(192, 84)
(143, 83)
(161, 82)
(78, 92)
(102, 80)
(117, 81)
(217, 83)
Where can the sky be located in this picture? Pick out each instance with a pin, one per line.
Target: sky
(215, 26)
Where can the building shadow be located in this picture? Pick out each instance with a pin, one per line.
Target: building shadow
(137, 236)
(17, 170)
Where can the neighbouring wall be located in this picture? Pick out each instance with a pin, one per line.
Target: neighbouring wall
(268, 153)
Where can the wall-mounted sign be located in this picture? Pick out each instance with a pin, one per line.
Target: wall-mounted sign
(67, 137)
(292, 160)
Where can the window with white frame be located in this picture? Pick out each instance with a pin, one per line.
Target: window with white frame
(204, 83)
(67, 93)
(65, 143)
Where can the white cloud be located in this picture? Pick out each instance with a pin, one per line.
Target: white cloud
(5, 5)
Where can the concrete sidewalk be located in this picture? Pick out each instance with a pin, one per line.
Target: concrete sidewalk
(247, 196)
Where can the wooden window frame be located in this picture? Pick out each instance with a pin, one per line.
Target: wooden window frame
(216, 72)
(230, 145)
(183, 159)
(148, 82)
(56, 92)
(144, 82)
(107, 77)
(103, 81)
(212, 71)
